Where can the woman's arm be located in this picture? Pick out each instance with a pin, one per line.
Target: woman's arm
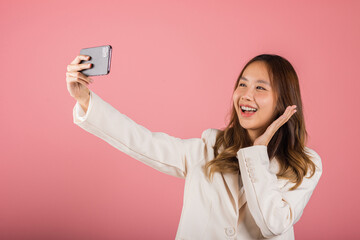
(274, 209)
(167, 154)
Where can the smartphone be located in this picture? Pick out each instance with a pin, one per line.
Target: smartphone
(100, 58)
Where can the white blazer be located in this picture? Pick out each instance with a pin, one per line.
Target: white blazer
(251, 205)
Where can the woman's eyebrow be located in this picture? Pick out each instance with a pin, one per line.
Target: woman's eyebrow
(260, 81)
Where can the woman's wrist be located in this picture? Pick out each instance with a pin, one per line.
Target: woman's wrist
(84, 102)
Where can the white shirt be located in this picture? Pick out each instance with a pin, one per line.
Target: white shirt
(254, 204)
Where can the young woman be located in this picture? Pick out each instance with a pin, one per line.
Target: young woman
(250, 180)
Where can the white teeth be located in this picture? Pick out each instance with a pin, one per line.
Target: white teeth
(248, 108)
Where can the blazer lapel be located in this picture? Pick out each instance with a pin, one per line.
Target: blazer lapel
(231, 181)
(242, 196)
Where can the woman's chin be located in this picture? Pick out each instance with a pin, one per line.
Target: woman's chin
(246, 122)
(246, 126)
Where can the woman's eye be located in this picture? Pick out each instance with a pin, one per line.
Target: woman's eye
(242, 84)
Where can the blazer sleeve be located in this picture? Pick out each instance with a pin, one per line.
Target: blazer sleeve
(165, 153)
(273, 208)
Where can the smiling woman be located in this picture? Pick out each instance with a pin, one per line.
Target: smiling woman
(248, 181)
(266, 87)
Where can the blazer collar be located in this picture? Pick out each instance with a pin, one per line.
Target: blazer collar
(232, 183)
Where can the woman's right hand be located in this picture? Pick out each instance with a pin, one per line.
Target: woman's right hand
(77, 82)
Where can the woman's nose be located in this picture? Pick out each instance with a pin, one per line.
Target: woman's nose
(247, 95)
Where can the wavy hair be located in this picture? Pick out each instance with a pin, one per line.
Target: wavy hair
(287, 144)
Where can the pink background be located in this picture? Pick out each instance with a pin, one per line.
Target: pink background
(173, 69)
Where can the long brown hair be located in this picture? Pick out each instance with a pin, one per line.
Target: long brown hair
(287, 144)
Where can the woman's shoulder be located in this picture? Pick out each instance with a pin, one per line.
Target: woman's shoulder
(209, 136)
(314, 156)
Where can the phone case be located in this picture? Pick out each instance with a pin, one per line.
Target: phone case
(100, 58)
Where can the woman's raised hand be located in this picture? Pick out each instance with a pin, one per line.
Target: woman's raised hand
(265, 138)
(77, 82)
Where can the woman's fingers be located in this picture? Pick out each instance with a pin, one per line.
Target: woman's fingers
(79, 58)
(70, 79)
(76, 66)
(80, 76)
(289, 111)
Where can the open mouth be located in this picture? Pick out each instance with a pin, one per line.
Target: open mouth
(248, 111)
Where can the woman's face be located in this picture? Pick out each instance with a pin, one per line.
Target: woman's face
(254, 90)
